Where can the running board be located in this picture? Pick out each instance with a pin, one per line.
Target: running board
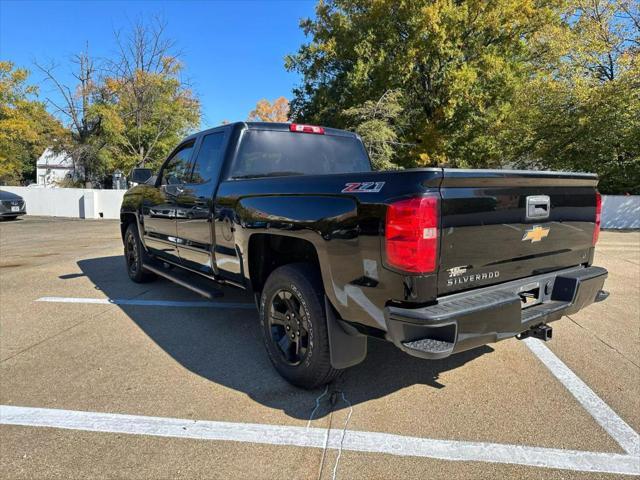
(187, 280)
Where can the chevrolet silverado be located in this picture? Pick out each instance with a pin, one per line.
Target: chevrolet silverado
(435, 260)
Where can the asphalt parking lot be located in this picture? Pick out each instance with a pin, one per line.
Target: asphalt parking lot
(116, 360)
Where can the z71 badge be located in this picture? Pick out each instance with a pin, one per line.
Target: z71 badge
(363, 187)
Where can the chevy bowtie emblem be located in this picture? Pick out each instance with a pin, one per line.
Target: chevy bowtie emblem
(536, 233)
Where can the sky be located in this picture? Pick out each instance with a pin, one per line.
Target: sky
(233, 50)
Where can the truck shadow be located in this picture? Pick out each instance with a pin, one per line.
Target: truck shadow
(225, 346)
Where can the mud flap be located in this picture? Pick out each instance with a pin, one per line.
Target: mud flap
(347, 347)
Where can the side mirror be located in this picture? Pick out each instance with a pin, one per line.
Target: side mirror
(140, 175)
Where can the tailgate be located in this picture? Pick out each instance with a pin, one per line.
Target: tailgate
(500, 225)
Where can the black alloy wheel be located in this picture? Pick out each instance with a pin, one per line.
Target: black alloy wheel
(131, 254)
(294, 325)
(288, 326)
(135, 256)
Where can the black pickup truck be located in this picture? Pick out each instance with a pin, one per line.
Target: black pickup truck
(435, 260)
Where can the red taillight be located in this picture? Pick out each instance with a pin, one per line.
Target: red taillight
(299, 128)
(596, 229)
(411, 235)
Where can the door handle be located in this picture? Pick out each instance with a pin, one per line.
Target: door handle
(538, 207)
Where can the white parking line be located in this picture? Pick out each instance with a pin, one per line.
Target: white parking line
(147, 303)
(356, 441)
(615, 426)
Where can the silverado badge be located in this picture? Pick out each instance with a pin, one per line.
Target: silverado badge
(457, 276)
(536, 233)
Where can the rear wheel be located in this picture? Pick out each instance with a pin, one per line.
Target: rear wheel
(135, 256)
(294, 325)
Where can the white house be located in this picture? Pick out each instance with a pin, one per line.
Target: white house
(52, 168)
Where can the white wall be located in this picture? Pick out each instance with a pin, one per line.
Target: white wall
(618, 211)
(70, 202)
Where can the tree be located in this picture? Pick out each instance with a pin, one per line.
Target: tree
(150, 107)
(126, 111)
(26, 128)
(549, 84)
(80, 106)
(581, 111)
(265, 111)
(375, 122)
(457, 65)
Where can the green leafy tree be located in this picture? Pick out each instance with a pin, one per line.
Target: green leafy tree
(26, 128)
(457, 65)
(581, 111)
(549, 84)
(128, 110)
(376, 123)
(149, 107)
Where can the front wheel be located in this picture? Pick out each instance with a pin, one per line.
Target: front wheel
(294, 325)
(134, 255)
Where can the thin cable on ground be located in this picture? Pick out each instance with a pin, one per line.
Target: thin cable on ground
(344, 432)
(332, 401)
(313, 412)
(326, 445)
(326, 437)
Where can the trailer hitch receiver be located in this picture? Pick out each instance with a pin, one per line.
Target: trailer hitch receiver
(543, 332)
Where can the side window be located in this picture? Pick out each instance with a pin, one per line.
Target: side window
(209, 158)
(176, 170)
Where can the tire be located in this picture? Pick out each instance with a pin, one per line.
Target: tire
(303, 361)
(135, 256)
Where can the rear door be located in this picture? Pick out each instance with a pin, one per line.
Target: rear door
(498, 226)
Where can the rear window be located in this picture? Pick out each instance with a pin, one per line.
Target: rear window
(273, 153)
